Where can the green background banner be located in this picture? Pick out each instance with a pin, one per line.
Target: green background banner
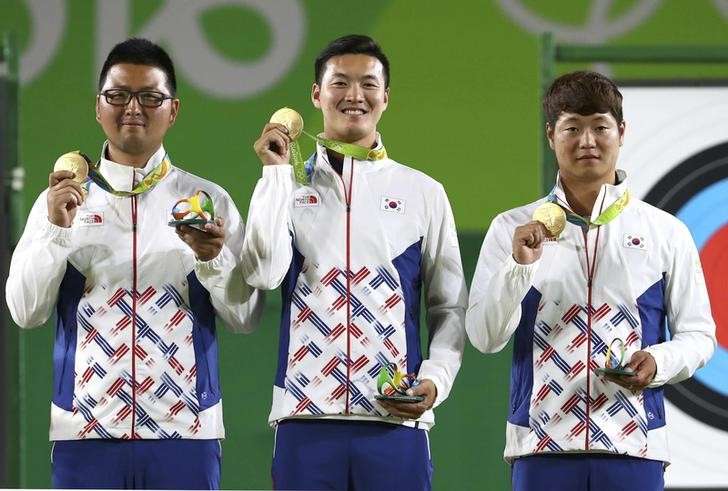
(464, 108)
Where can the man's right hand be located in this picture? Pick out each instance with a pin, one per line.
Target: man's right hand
(64, 197)
(273, 146)
(528, 242)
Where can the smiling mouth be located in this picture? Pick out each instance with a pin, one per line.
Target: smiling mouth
(354, 112)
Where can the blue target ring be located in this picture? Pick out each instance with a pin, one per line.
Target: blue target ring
(705, 214)
(696, 191)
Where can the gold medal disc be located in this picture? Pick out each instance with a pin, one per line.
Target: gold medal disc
(74, 162)
(290, 119)
(552, 216)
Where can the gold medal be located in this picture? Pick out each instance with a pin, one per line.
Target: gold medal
(290, 119)
(552, 216)
(74, 162)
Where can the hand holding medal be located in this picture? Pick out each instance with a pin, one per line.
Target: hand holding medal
(65, 190)
(273, 146)
(290, 119)
(549, 220)
(293, 123)
(75, 162)
(278, 144)
(552, 216)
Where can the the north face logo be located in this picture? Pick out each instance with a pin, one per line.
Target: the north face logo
(91, 219)
(306, 200)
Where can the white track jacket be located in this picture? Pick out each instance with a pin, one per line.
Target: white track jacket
(135, 352)
(647, 289)
(352, 253)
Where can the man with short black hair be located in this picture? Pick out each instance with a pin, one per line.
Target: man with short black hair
(136, 395)
(585, 280)
(353, 242)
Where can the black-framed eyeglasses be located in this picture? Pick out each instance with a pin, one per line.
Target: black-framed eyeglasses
(147, 98)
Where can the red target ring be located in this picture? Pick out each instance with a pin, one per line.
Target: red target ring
(714, 257)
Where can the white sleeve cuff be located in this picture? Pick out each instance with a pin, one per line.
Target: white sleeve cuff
(515, 268)
(277, 171)
(53, 233)
(659, 355)
(441, 395)
(214, 266)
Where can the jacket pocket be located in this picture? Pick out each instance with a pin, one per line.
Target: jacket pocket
(654, 403)
(520, 390)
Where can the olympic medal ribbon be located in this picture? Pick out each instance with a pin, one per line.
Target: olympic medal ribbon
(151, 179)
(604, 218)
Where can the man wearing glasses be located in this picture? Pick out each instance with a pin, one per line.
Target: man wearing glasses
(136, 397)
(588, 281)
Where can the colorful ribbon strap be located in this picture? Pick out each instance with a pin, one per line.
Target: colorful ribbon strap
(303, 174)
(604, 218)
(149, 181)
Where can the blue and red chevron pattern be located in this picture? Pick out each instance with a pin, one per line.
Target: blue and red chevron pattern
(559, 414)
(164, 402)
(316, 374)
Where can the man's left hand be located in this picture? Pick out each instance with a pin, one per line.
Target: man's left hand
(644, 366)
(408, 410)
(206, 244)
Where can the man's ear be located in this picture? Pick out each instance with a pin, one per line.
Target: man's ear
(316, 95)
(550, 135)
(175, 111)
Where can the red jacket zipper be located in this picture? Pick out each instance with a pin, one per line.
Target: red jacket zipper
(133, 314)
(590, 268)
(588, 336)
(347, 199)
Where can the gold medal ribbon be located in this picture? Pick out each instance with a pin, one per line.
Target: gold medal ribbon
(348, 149)
(605, 217)
(302, 169)
(149, 181)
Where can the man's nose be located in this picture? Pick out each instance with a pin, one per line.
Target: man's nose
(133, 106)
(354, 93)
(587, 139)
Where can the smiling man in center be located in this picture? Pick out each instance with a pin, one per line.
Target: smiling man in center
(353, 246)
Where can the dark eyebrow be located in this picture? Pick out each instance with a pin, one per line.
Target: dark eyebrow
(146, 88)
(368, 76)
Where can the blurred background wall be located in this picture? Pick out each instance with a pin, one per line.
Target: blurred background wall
(464, 108)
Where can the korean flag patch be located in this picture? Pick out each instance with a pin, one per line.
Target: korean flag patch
(634, 241)
(392, 205)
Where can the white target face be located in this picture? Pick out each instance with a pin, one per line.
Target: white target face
(676, 157)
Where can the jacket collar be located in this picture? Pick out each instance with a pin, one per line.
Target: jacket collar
(121, 177)
(608, 193)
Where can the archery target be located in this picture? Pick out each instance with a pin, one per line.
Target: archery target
(676, 157)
